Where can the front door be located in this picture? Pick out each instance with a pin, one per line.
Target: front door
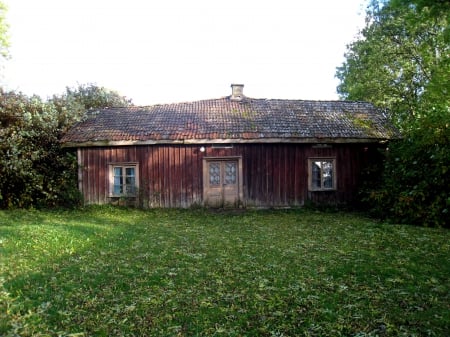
(222, 181)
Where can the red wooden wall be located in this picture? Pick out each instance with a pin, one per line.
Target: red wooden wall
(273, 174)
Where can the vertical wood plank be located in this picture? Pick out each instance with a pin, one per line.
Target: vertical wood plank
(101, 188)
(171, 175)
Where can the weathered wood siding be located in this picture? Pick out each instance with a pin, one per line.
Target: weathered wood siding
(273, 174)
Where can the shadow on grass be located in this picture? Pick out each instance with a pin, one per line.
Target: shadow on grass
(102, 271)
(113, 272)
(57, 265)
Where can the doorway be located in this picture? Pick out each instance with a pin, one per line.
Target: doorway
(222, 181)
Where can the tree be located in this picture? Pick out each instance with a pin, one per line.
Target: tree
(4, 37)
(91, 96)
(36, 171)
(27, 142)
(75, 102)
(401, 62)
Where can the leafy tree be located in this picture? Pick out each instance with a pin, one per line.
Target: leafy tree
(75, 102)
(36, 171)
(415, 181)
(27, 136)
(91, 96)
(4, 37)
(402, 62)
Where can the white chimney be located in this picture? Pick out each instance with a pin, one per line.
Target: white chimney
(237, 92)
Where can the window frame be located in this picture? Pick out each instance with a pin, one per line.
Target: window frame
(111, 176)
(311, 186)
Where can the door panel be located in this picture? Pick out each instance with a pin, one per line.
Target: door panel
(230, 185)
(221, 182)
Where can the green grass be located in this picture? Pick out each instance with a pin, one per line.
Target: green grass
(108, 271)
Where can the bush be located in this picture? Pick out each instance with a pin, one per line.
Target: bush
(415, 184)
(32, 164)
(36, 171)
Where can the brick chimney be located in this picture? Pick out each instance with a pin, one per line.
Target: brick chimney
(237, 92)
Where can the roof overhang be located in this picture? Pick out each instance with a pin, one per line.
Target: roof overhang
(319, 140)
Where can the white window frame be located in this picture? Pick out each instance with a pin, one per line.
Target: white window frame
(123, 166)
(322, 187)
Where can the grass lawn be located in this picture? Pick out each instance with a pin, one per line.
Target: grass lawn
(107, 271)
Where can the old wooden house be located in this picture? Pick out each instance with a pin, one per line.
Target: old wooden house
(230, 151)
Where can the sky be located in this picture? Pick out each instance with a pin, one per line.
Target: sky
(167, 51)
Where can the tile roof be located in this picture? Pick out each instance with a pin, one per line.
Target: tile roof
(225, 119)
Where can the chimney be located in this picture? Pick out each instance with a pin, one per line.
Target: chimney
(237, 92)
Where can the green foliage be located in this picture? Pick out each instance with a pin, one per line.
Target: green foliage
(75, 102)
(106, 271)
(36, 171)
(91, 96)
(416, 179)
(4, 37)
(26, 143)
(402, 63)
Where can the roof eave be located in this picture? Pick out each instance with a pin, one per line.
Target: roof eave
(313, 140)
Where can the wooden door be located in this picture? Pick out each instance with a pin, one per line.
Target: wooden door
(222, 181)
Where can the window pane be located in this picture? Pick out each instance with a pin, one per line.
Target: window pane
(230, 173)
(118, 180)
(214, 174)
(327, 171)
(130, 180)
(130, 177)
(130, 189)
(118, 186)
(117, 189)
(316, 175)
(130, 185)
(117, 171)
(129, 171)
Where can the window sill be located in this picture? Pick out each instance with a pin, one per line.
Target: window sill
(124, 196)
(323, 190)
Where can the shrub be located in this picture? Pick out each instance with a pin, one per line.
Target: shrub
(36, 171)
(415, 186)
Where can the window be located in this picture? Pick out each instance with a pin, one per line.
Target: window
(322, 174)
(223, 173)
(123, 179)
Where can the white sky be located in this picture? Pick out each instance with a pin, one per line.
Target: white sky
(162, 51)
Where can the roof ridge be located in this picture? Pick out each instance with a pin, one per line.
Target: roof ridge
(244, 100)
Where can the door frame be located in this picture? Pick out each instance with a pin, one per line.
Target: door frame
(240, 182)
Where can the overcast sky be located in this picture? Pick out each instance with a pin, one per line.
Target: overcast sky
(181, 50)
